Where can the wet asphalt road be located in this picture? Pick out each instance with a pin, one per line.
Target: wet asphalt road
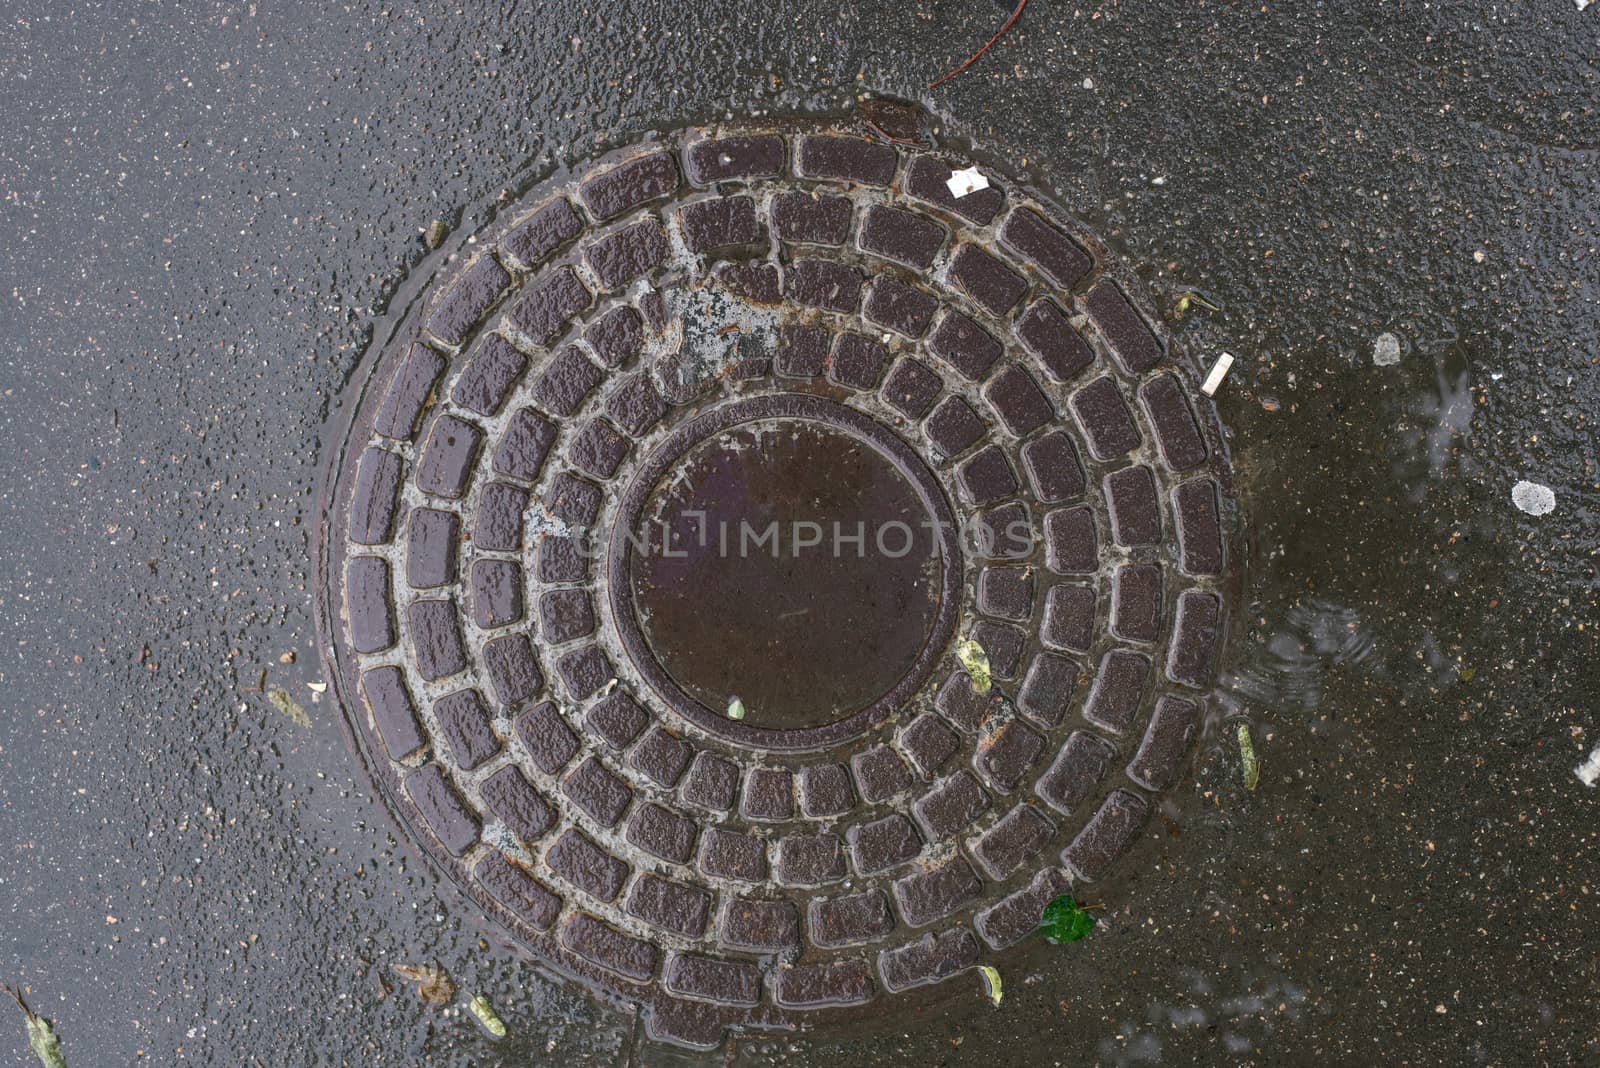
(207, 208)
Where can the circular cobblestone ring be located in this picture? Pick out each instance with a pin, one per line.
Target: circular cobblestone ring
(773, 324)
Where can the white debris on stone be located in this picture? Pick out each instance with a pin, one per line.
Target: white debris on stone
(1386, 352)
(1219, 371)
(1589, 771)
(963, 182)
(1088, 83)
(1533, 498)
(1581, 5)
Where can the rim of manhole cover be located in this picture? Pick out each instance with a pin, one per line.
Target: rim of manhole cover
(796, 333)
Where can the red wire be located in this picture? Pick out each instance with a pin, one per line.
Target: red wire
(1001, 32)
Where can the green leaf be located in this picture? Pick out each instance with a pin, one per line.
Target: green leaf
(976, 661)
(486, 1015)
(41, 1036)
(991, 984)
(735, 708)
(288, 706)
(1247, 758)
(1064, 920)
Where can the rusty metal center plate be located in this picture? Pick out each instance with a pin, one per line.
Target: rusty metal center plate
(655, 527)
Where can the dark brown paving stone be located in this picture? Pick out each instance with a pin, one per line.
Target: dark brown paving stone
(496, 593)
(548, 304)
(630, 253)
(1071, 542)
(671, 905)
(724, 158)
(524, 445)
(513, 670)
(880, 773)
(577, 858)
(1165, 743)
(823, 284)
(810, 859)
(902, 308)
(1103, 416)
(493, 368)
(858, 361)
(719, 223)
(1118, 688)
(511, 885)
(813, 218)
(729, 982)
(1131, 500)
(598, 791)
(565, 615)
(768, 795)
(803, 351)
(393, 712)
(1194, 508)
(367, 590)
(618, 719)
(881, 844)
(911, 388)
(930, 742)
(1047, 688)
(926, 178)
(1045, 331)
(526, 812)
(1006, 592)
(814, 986)
(950, 806)
(954, 427)
(662, 756)
(1195, 630)
(1044, 245)
(602, 944)
(1136, 602)
(1107, 836)
(432, 543)
(849, 920)
(729, 855)
(825, 790)
(662, 832)
(377, 485)
(1130, 337)
(1176, 431)
(1019, 402)
(712, 784)
(408, 393)
(845, 159)
(967, 347)
(1016, 916)
(565, 382)
(992, 285)
(441, 808)
(465, 722)
(760, 926)
(477, 290)
(906, 237)
(1076, 771)
(932, 959)
(927, 896)
(1005, 754)
(1014, 840)
(644, 178)
(436, 639)
(548, 739)
(548, 228)
(1068, 618)
(617, 337)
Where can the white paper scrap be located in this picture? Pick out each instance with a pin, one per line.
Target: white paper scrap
(1219, 371)
(963, 182)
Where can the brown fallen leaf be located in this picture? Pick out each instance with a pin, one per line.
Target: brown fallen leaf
(433, 983)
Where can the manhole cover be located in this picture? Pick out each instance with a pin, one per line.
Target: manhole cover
(656, 529)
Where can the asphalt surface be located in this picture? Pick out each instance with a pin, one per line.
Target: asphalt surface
(208, 208)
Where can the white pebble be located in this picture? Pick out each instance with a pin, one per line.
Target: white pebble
(1533, 498)
(1386, 352)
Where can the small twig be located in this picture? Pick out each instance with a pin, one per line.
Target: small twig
(1001, 32)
